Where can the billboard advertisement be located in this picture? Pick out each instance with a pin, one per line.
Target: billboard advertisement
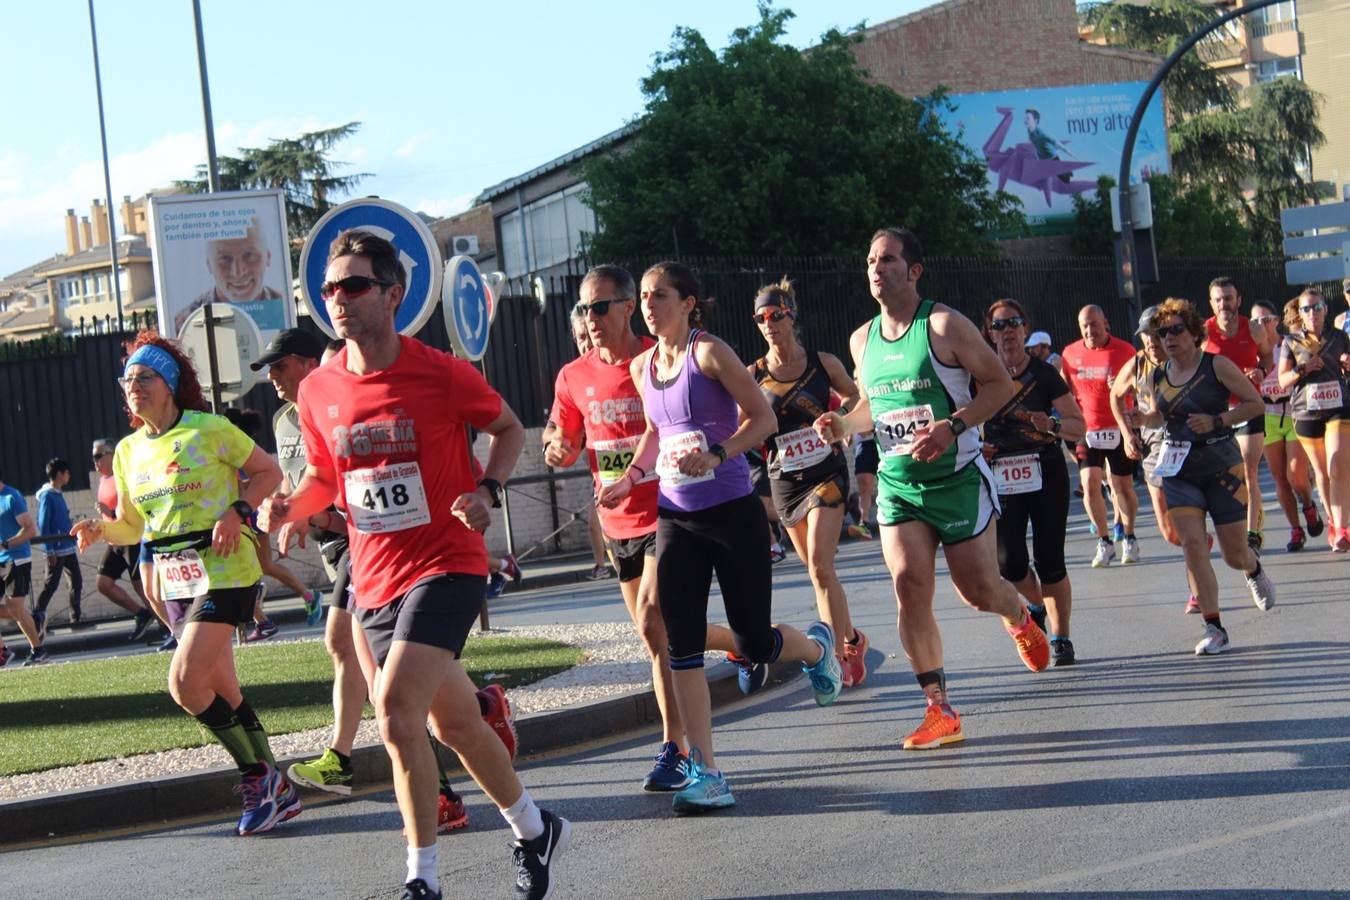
(1046, 145)
(228, 247)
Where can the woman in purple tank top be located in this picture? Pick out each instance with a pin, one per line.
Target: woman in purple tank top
(704, 410)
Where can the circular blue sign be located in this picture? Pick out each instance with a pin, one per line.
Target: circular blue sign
(468, 308)
(400, 226)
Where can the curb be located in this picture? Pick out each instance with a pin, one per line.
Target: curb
(159, 801)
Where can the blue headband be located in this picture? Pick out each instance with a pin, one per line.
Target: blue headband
(158, 359)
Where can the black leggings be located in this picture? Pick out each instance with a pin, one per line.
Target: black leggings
(1048, 512)
(731, 539)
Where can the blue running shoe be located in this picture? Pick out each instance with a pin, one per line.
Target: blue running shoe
(705, 792)
(268, 799)
(825, 676)
(313, 608)
(671, 771)
(288, 800)
(496, 584)
(1117, 532)
(750, 676)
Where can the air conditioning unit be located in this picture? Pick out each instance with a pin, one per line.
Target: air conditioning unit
(464, 245)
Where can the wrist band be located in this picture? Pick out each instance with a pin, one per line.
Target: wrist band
(631, 467)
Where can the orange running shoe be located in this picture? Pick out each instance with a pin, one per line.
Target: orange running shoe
(939, 727)
(1031, 644)
(854, 663)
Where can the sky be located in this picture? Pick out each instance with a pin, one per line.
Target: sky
(452, 97)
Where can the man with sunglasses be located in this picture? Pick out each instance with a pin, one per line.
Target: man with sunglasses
(384, 426)
(1090, 367)
(1247, 343)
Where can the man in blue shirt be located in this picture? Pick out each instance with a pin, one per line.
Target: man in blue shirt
(53, 517)
(16, 569)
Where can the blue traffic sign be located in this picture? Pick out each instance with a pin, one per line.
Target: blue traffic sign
(468, 308)
(417, 250)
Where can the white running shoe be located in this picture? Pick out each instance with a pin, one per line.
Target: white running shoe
(1106, 551)
(1130, 552)
(1214, 641)
(1263, 590)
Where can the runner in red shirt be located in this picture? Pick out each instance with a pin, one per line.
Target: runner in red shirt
(384, 434)
(1249, 345)
(1089, 367)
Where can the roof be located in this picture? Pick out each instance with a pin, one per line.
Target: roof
(128, 250)
(566, 159)
(25, 319)
(27, 275)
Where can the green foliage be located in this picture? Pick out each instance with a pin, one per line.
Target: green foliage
(769, 150)
(1189, 221)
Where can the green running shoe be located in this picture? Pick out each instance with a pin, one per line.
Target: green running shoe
(324, 773)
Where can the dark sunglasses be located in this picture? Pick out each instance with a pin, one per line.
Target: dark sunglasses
(1312, 308)
(1174, 330)
(352, 286)
(1010, 322)
(776, 315)
(100, 454)
(599, 307)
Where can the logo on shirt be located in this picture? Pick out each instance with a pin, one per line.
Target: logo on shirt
(1093, 373)
(590, 391)
(619, 409)
(173, 468)
(177, 446)
(893, 357)
(382, 436)
(333, 411)
(899, 385)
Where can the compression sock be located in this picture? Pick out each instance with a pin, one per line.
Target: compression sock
(257, 735)
(224, 726)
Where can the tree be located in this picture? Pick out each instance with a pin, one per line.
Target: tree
(769, 150)
(1250, 146)
(300, 166)
(1189, 221)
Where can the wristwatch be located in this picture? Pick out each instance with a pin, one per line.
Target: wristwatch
(242, 509)
(719, 451)
(957, 425)
(494, 487)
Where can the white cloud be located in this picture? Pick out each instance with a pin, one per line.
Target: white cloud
(446, 206)
(409, 147)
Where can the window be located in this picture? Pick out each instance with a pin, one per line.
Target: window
(556, 228)
(1277, 12)
(1270, 69)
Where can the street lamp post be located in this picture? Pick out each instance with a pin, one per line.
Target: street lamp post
(107, 178)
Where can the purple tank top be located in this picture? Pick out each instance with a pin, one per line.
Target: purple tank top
(693, 412)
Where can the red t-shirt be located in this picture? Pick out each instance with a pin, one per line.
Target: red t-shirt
(107, 493)
(602, 400)
(1089, 374)
(396, 440)
(1241, 349)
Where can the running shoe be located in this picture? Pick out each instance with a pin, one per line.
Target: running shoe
(170, 644)
(313, 601)
(1256, 540)
(324, 773)
(860, 532)
(1314, 519)
(38, 656)
(40, 623)
(824, 674)
(1061, 652)
(1129, 554)
(600, 572)
(536, 860)
(261, 631)
(854, 667)
(705, 790)
(1192, 605)
(671, 772)
(417, 889)
(268, 799)
(777, 554)
(496, 584)
(511, 568)
(1117, 532)
(1296, 540)
(1031, 644)
(1106, 551)
(1342, 541)
(750, 677)
(941, 725)
(450, 813)
(144, 619)
(1037, 614)
(501, 717)
(1263, 590)
(1214, 641)
(5, 655)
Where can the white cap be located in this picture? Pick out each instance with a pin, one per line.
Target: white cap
(1037, 338)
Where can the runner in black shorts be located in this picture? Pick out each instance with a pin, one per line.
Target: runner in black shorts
(866, 461)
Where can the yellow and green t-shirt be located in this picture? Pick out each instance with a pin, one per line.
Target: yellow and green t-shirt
(183, 480)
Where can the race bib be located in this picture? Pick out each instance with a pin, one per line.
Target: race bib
(1018, 474)
(386, 498)
(1103, 439)
(1171, 457)
(1326, 395)
(895, 428)
(1270, 387)
(676, 447)
(800, 449)
(182, 574)
(612, 458)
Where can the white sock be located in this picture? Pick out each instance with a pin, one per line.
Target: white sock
(523, 817)
(422, 864)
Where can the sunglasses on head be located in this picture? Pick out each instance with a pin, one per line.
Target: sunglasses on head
(1010, 322)
(352, 286)
(599, 307)
(1174, 330)
(1312, 308)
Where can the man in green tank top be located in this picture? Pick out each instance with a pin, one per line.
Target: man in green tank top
(914, 364)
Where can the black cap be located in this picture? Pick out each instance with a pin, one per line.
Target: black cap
(292, 341)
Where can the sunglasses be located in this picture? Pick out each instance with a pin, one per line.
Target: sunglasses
(1261, 320)
(352, 286)
(1010, 322)
(1312, 308)
(127, 382)
(1174, 330)
(776, 315)
(599, 307)
(100, 454)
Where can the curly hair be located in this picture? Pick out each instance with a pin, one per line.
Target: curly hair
(1183, 310)
(189, 394)
(1292, 320)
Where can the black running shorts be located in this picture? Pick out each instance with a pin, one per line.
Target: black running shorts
(630, 554)
(224, 606)
(438, 611)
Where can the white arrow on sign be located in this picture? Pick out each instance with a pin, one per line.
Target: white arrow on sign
(467, 281)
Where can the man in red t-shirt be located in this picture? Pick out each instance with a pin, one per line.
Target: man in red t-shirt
(118, 561)
(1250, 346)
(384, 434)
(1090, 365)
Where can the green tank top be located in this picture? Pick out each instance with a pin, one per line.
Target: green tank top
(908, 388)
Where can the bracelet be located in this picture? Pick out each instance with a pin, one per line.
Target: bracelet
(629, 473)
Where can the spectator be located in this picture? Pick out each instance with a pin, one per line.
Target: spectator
(1038, 345)
(53, 517)
(118, 561)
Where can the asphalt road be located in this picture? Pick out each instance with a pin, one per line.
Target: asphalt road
(1142, 772)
